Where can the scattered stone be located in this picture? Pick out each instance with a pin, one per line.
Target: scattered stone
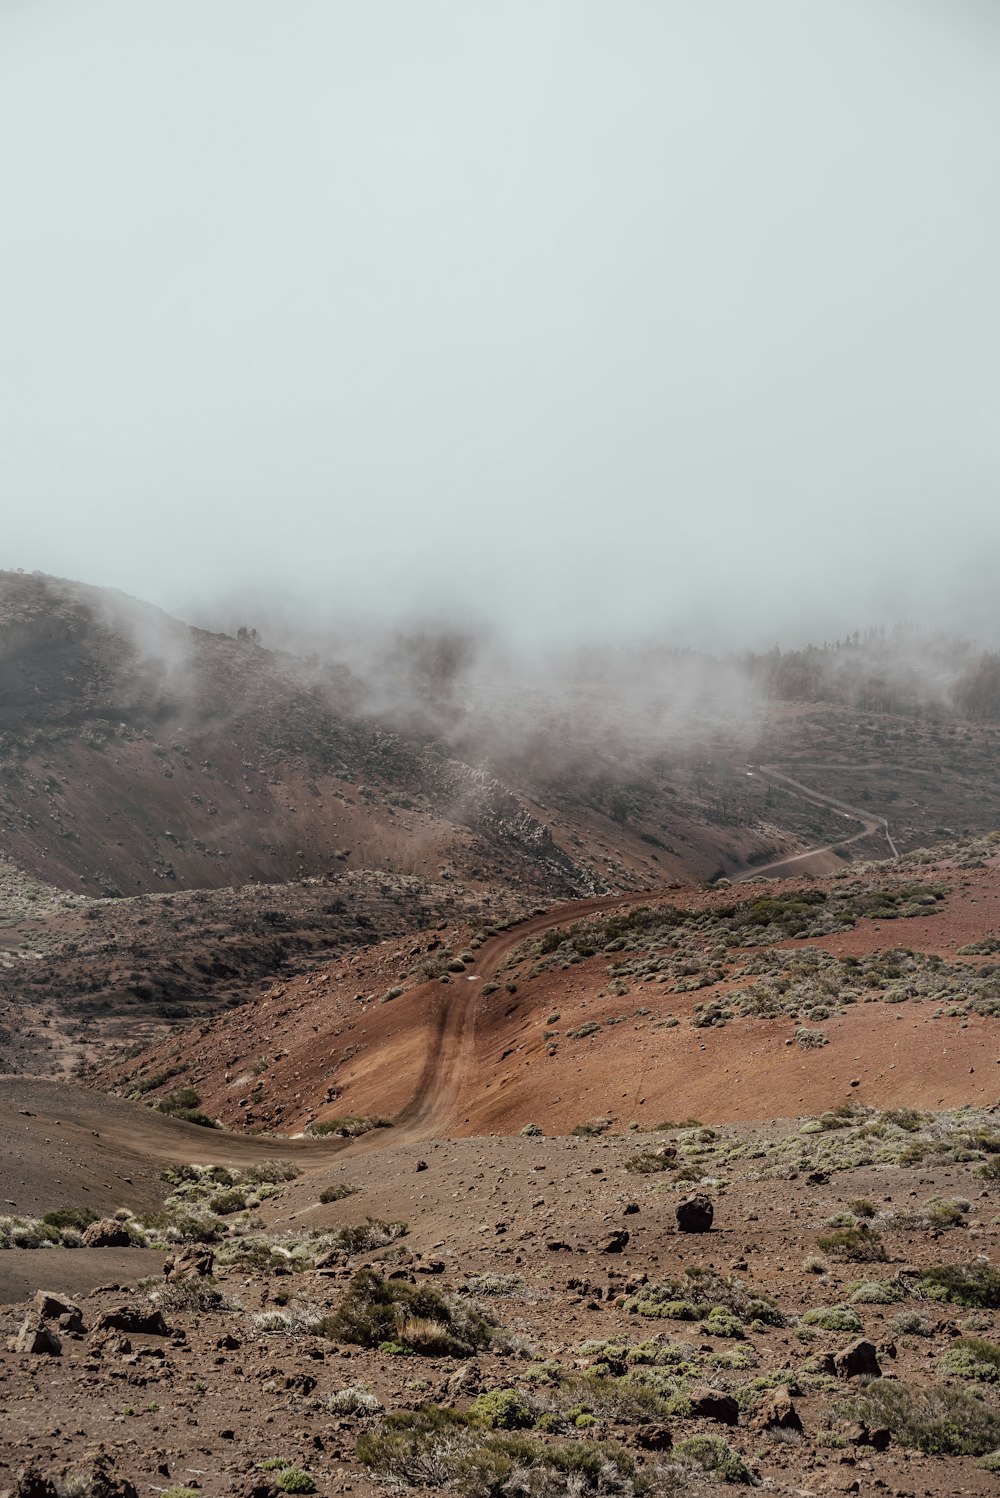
(466, 1380)
(100, 1478)
(106, 1233)
(615, 1243)
(859, 1360)
(776, 1411)
(52, 1307)
(713, 1404)
(110, 1345)
(30, 1483)
(421, 1165)
(654, 1437)
(695, 1214)
(135, 1319)
(195, 1260)
(857, 1434)
(35, 1337)
(430, 1266)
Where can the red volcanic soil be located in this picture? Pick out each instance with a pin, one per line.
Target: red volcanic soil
(450, 1059)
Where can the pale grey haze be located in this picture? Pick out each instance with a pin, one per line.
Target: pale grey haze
(656, 318)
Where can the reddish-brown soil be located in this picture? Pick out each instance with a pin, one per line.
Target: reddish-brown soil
(327, 1045)
(218, 1396)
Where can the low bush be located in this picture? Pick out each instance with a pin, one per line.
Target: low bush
(352, 1126)
(974, 1358)
(861, 1244)
(363, 1238)
(713, 1454)
(439, 1448)
(70, 1217)
(939, 1420)
(975, 1284)
(701, 1294)
(294, 1480)
(502, 1409)
(192, 1294)
(336, 1193)
(374, 1311)
(354, 1400)
(912, 1324)
(649, 1162)
(592, 1127)
(833, 1319)
(875, 1292)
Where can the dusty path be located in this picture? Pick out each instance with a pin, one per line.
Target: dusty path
(450, 1049)
(53, 1132)
(823, 859)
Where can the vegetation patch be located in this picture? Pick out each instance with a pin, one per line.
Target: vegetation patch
(352, 1126)
(375, 1311)
(938, 1419)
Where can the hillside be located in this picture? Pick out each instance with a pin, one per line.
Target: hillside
(187, 816)
(719, 1005)
(404, 1046)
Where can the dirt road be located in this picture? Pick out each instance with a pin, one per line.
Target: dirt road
(822, 859)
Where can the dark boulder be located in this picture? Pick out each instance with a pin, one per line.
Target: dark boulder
(695, 1214)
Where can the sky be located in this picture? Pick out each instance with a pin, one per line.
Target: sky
(654, 319)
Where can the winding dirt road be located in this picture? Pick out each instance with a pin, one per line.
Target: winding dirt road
(450, 1050)
(444, 1077)
(872, 825)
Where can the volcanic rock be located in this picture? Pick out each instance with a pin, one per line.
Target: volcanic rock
(695, 1214)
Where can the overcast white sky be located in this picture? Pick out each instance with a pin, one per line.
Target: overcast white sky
(673, 317)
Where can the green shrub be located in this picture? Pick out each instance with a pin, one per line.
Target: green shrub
(939, 1420)
(861, 1244)
(649, 1162)
(70, 1217)
(875, 1292)
(354, 1400)
(227, 1202)
(833, 1319)
(963, 1284)
(376, 1310)
(183, 1099)
(713, 1454)
(592, 1127)
(294, 1480)
(336, 1193)
(363, 1238)
(942, 1212)
(973, 1357)
(350, 1127)
(589, 1027)
(907, 1119)
(721, 1322)
(439, 1449)
(911, 1323)
(501, 1409)
(192, 1295)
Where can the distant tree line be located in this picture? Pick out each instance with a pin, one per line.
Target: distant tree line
(897, 671)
